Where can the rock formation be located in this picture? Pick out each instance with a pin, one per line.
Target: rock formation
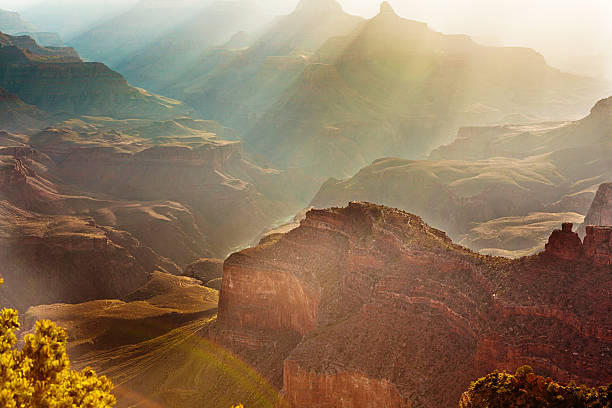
(369, 306)
(222, 190)
(600, 212)
(386, 10)
(15, 115)
(598, 245)
(11, 23)
(495, 189)
(55, 80)
(565, 244)
(337, 121)
(49, 259)
(205, 270)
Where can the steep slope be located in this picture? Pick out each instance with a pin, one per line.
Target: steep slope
(16, 116)
(152, 345)
(369, 306)
(489, 174)
(56, 80)
(600, 212)
(231, 199)
(395, 87)
(11, 23)
(71, 17)
(163, 62)
(238, 86)
(48, 259)
(35, 52)
(168, 227)
(127, 34)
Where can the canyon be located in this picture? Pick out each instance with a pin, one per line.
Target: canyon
(119, 200)
(496, 189)
(369, 305)
(55, 79)
(323, 210)
(327, 96)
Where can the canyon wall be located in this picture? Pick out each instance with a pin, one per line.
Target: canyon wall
(367, 306)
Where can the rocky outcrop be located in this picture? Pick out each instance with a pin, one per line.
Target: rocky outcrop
(600, 212)
(494, 188)
(50, 259)
(72, 86)
(12, 44)
(12, 172)
(598, 245)
(565, 244)
(230, 199)
(15, 115)
(369, 306)
(387, 11)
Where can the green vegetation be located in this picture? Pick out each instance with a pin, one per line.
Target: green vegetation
(524, 389)
(39, 375)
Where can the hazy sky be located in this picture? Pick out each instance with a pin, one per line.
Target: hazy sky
(560, 29)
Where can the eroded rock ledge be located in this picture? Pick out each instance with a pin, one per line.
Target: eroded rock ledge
(367, 306)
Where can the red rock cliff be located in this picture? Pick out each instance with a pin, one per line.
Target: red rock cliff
(367, 306)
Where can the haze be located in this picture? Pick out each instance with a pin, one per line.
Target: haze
(573, 36)
(330, 203)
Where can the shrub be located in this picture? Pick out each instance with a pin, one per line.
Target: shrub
(527, 390)
(39, 375)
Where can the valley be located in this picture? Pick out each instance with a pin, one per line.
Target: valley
(221, 205)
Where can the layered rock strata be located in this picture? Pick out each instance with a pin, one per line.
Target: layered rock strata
(366, 306)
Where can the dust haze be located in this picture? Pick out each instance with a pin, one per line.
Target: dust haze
(573, 36)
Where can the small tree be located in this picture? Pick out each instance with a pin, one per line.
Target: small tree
(39, 375)
(525, 389)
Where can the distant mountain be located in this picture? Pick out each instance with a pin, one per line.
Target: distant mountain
(395, 87)
(58, 81)
(308, 27)
(233, 85)
(72, 17)
(496, 189)
(11, 22)
(45, 39)
(329, 92)
(160, 64)
(140, 27)
(521, 141)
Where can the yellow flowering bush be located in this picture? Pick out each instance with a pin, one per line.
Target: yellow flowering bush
(39, 375)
